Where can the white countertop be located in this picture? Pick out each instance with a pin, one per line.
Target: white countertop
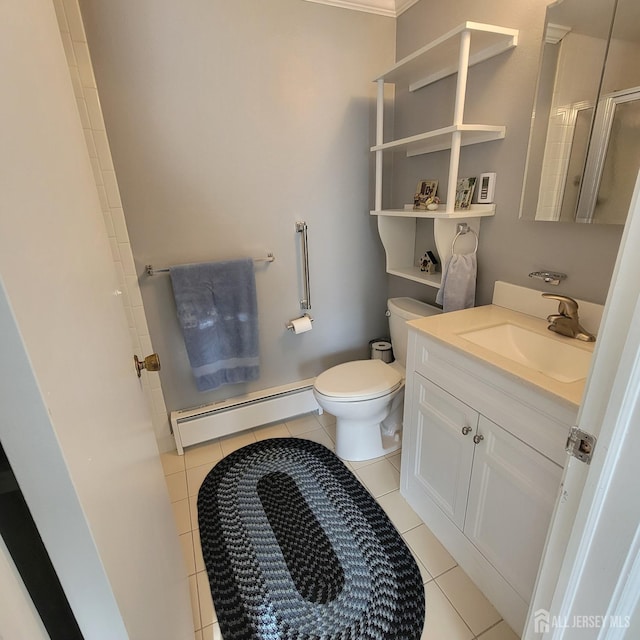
(445, 328)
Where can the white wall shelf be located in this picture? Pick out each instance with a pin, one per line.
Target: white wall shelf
(442, 139)
(475, 211)
(398, 235)
(439, 58)
(414, 273)
(453, 53)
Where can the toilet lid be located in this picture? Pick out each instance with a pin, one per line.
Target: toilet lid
(358, 380)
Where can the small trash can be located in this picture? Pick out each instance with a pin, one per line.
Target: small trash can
(381, 350)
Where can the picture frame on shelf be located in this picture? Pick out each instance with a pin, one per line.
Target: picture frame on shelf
(425, 194)
(464, 192)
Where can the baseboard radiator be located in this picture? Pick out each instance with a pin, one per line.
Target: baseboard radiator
(193, 426)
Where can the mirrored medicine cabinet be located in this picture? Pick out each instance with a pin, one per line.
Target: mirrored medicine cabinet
(584, 146)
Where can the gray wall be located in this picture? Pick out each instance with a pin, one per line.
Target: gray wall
(500, 91)
(229, 121)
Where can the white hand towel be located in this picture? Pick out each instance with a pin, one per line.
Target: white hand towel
(458, 289)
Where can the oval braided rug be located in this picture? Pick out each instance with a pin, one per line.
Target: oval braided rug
(297, 549)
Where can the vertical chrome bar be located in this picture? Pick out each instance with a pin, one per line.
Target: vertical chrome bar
(305, 303)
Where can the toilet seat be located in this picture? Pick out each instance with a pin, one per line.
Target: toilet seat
(358, 380)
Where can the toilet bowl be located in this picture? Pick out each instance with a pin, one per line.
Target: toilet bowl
(367, 396)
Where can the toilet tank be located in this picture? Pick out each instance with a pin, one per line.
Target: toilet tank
(401, 310)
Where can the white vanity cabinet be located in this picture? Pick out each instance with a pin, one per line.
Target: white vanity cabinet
(482, 460)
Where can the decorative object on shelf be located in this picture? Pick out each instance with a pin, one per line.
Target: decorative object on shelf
(432, 203)
(487, 188)
(429, 262)
(425, 194)
(464, 192)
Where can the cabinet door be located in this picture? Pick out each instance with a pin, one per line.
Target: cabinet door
(444, 454)
(511, 499)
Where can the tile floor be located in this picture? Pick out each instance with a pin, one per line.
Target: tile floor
(456, 609)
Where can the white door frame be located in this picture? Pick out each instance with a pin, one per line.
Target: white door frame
(589, 567)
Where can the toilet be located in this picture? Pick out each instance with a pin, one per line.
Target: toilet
(367, 396)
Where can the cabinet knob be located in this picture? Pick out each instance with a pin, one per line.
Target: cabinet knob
(466, 430)
(478, 438)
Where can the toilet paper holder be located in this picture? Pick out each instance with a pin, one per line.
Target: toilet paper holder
(290, 325)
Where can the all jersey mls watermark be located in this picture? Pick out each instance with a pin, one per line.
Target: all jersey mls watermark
(543, 621)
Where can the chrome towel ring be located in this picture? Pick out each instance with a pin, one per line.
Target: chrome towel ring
(463, 228)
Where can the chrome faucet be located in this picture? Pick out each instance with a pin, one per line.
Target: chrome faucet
(566, 321)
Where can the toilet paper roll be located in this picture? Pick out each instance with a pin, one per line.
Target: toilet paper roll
(381, 350)
(301, 325)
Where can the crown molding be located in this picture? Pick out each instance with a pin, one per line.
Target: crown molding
(403, 5)
(389, 8)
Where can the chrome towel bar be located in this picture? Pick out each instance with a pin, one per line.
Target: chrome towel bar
(150, 270)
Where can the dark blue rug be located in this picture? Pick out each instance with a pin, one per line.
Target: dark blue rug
(297, 549)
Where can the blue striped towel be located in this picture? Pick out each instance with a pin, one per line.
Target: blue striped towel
(218, 313)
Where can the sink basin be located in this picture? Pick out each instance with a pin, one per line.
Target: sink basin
(554, 358)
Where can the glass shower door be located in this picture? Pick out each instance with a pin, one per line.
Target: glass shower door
(614, 159)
